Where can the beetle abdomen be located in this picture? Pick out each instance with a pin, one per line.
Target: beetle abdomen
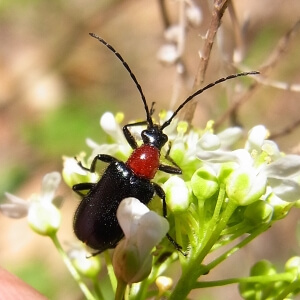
(95, 221)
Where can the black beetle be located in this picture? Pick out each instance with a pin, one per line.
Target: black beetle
(95, 221)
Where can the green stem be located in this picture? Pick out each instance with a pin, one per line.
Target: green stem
(72, 270)
(97, 289)
(193, 270)
(237, 247)
(110, 271)
(121, 288)
(295, 285)
(263, 279)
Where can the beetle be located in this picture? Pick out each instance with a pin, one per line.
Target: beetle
(95, 221)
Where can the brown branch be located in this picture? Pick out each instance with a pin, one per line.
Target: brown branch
(216, 16)
(273, 59)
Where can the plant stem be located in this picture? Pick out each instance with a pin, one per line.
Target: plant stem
(110, 271)
(193, 269)
(120, 292)
(240, 245)
(72, 270)
(253, 279)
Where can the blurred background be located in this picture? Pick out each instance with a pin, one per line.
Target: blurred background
(56, 81)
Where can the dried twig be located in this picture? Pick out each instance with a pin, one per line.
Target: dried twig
(273, 59)
(217, 14)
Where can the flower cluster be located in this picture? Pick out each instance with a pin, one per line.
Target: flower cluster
(257, 182)
(223, 194)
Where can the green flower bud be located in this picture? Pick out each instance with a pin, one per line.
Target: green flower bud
(249, 290)
(177, 152)
(87, 266)
(293, 265)
(177, 194)
(204, 183)
(258, 212)
(245, 186)
(263, 267)
(44, 218)
(128, 265)
(225, 170)
(281, 208)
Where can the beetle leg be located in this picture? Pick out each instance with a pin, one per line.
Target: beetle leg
(161, 194)
(175, 169)
(82, 187)
(129, 137)
(169, 169)
(102, 157)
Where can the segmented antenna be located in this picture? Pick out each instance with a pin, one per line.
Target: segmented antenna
(118, 55)
(188, 99)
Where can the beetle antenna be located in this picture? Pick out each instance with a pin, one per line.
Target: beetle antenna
(188, 99)
(118, 55)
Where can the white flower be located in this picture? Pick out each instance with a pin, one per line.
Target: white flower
(263, 162)
(168, 54)
(86, 264)
(73, 173)
(41, 211)
(110, 125)
(194, 14)
(143, 230)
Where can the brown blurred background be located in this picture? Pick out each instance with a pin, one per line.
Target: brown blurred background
(56, 81)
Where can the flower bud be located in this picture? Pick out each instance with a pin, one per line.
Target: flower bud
(168, 54)
(128, 265)
(44, 218)
(258, 212)
(245, 186)
(204, 183)
(280, 208)
(263, 267)
(293, 265)
(194, 15)
(88, 266)
(143, 230)
(177, 194)
(164, 284)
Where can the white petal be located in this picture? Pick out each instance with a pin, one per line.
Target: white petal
(284, 167)
(256, 137)
(229, 136)
(15, 207)
(129, 212)
(71, 166)
(152, 229)
(286, 189)
(239, 156)
(272, 149)
(50, 184)
(209, 142)
(111, 127)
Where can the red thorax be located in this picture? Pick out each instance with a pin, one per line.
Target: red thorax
(144, 161)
